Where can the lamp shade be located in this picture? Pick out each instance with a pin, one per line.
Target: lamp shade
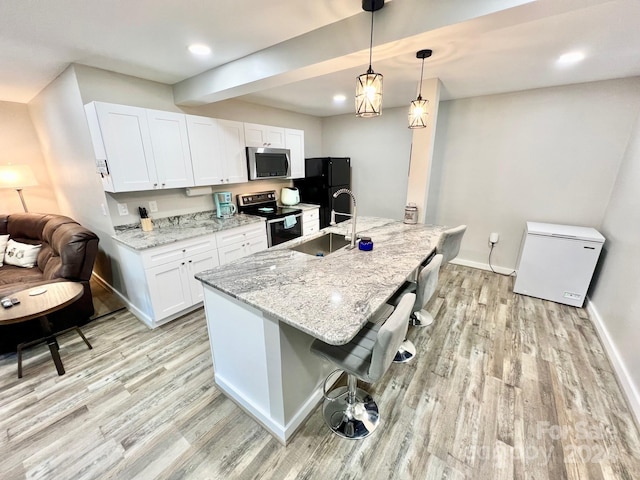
(17, 176)
(369, 94)
(418, 113)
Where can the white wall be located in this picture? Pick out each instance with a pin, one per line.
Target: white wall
(548, 155)
(59, 119)
(104, 86)
(19, 146)
(614, 292)
(380, 149)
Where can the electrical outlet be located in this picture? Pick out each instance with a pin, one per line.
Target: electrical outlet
(123, 209)
(493, 238)
(104, 209)
(153, 206)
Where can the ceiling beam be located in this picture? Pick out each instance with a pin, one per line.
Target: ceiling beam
(330, 48)
(344, 44)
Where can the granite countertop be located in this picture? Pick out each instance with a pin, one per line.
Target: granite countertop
(332, 297)
(172, 229)
(303, 206)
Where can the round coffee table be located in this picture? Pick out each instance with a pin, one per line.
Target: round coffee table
(38, 302)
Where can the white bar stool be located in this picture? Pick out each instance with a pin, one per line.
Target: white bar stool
(351, 412)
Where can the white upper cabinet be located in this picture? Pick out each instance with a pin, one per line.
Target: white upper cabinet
(264, 136)
(139, 149)
(217, 151)
(205, 150)
(234, 158)
(170, 149)
(143, 149)
(120, 135)
(294, 141)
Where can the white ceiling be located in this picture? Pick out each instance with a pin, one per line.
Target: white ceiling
(297, 54)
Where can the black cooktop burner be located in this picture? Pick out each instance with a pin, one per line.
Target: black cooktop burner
(270, 212)
(263, 204)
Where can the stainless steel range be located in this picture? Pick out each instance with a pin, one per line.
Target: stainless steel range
(283, 223)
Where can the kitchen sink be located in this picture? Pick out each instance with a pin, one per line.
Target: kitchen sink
(322, 246)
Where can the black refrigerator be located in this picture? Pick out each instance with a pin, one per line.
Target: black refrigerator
(323, 177)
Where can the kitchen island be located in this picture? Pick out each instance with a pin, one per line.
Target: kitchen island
(264, 311)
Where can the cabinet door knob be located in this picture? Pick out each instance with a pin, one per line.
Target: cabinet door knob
(163, 184)
(184, 250)
(190, 261)
(155, 185)
(182, 263)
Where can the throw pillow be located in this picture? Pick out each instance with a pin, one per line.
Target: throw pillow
(21, 254)
(3, 246)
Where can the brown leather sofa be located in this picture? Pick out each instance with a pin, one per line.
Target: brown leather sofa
(68, 253)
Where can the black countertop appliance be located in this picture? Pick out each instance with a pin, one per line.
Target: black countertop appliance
(323, 177)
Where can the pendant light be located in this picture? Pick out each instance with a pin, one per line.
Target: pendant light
(418, 111)
(369, 85)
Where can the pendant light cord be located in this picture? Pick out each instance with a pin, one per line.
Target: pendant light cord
(371, 42)
(421, 72)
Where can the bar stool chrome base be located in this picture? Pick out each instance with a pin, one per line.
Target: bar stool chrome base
(351, 420)
(421, 318)
(406, 352)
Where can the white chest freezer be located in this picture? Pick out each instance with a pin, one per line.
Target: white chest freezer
(556, 262)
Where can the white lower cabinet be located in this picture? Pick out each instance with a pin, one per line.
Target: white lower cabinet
(172, 286)
(159, 282)
(310, 221)
(240, 242)
(200, 263)
(168, 289)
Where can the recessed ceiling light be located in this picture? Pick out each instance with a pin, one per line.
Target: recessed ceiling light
(199, 49)
(339, 98)
(570, 58)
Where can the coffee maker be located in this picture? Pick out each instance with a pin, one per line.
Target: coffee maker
(225, 208)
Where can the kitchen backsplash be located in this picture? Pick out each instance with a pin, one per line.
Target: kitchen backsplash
(175, 202)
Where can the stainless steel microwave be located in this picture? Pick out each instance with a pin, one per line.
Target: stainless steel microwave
(264, 163)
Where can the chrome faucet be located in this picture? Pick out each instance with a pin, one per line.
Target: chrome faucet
(353, 215)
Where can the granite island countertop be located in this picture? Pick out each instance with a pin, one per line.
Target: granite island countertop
(331, 297)
(172, 229)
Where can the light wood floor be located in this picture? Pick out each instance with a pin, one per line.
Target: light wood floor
(505, 387)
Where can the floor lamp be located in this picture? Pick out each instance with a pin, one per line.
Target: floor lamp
(17, 177)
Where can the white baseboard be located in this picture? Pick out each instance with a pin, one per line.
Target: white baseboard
(108, 286)
(139, 314)
(482, 266)
(620, 370)
(132, 308)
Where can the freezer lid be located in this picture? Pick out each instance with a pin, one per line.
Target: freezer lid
(566, 231)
